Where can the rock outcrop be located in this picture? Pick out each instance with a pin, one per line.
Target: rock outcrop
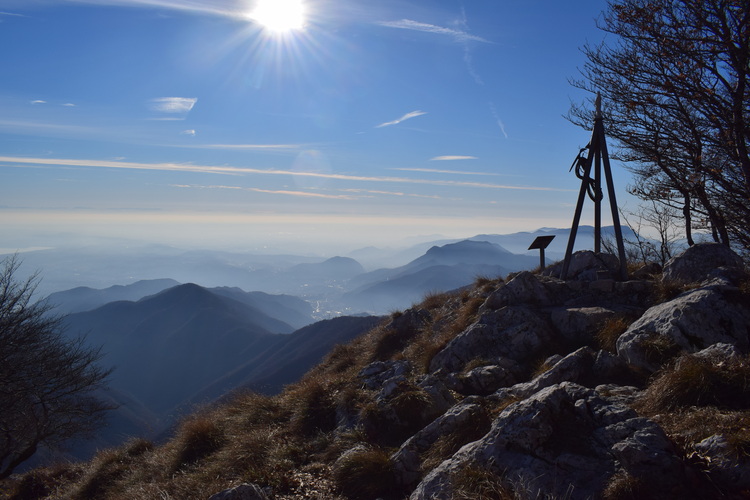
(570, 429)
(565, 441)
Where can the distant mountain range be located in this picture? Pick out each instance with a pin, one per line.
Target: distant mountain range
(177, 345)
(85, 298)
(441, 268)
(189, 345)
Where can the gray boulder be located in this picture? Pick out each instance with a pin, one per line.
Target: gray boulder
(464, 416)
(585, 367)
(512, 332)
(726, 465)
(693, 321)
(524, 288)
(565, 441)
(700, 261)
(486, 379)
(376, 373)
(579, 324)
(586, 265)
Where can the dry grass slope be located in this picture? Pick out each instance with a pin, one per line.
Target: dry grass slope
(301, 443)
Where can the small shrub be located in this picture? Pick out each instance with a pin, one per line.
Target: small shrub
(197, 438)
(366, 474)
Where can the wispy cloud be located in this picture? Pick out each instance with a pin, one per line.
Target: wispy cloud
(41, 128)
(228, 8)
(407, 116)
(441, 171)
(190, 132)
(177, 105)
(11, 14)
(467, 50)
(38, 101)
(453, 157)
(68, 105)
(303, 194)
(408, 24)
(392, 193)
(229, 170)
(249, 147)
(500, 123)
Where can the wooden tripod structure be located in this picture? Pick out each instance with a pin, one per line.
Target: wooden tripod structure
(597, 157)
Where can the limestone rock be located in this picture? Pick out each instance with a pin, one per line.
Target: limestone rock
(725, 464)
(585, 265)
(524, 288)
(411, 320)
(402, 407)
(693, 321)
(485, 379)
(406, 461)
(584, 366)
(577, 325)
(565, 441)
(512, 332)
(376, 373)
(698, 262)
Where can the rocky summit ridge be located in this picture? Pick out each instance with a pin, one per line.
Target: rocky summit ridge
(529, 387)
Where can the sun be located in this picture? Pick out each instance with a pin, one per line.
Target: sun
(280, 16)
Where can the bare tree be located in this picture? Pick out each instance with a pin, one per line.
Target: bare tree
(46, 380)
(675, 76)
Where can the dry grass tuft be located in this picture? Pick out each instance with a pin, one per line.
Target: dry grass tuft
(40, 483)
(624, 486)
(486, 284)
(610, 331)
(312, 405)
(689, 426)
(473, 482)
(391, 341)
(666, 290)
(197, 437)
(434, 300)
(366, 474)
(660, 349)
(700, 381)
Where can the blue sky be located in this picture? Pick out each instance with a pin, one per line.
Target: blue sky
(191, 123)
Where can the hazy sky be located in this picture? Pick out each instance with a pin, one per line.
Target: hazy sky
(203, 123)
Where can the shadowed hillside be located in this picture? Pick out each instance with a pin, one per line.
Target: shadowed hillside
(529, 387)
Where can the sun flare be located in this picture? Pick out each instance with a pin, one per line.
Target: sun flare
(280, 16)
